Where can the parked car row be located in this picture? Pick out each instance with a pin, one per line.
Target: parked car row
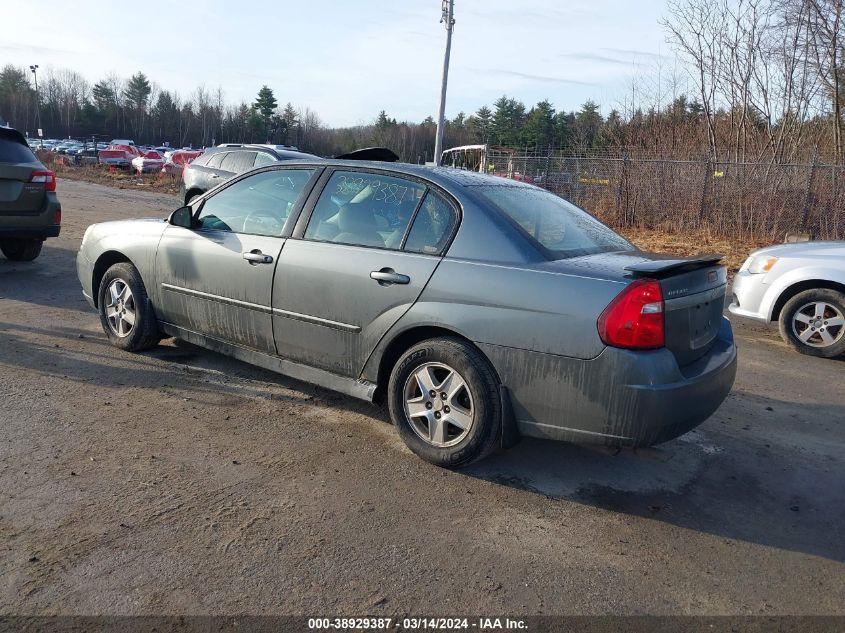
(67, 147)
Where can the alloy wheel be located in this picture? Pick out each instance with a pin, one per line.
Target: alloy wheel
(439, 405)
(818, 324)
(120, 311)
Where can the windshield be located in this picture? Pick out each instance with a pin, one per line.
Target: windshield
(558, 227)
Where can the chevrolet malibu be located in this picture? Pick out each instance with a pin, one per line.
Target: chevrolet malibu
(480, 309)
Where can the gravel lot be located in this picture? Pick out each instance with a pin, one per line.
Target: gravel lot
(180, 481)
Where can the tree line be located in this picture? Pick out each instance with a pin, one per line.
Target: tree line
(753, 80)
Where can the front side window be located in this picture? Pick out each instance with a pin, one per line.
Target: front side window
(558, 227)
(258, 205)
(364, 209)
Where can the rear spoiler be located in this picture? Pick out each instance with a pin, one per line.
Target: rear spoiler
(664, 265)
(371, 153)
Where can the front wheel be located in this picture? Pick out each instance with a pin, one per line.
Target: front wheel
(813, 322)
(21, 250)
(125, 310)
(444, 400)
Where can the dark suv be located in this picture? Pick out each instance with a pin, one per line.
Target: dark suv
(220, 163)
(29, 208)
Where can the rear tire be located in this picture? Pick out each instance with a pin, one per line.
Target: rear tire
(21, 250)
(126, 312)
(461, 422)
(813, 323)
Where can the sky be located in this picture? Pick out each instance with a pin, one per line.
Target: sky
(349, 59)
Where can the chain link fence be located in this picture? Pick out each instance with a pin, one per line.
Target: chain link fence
(748, 200)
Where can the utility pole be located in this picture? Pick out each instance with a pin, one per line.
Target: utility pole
(34, 68)
(449, 19)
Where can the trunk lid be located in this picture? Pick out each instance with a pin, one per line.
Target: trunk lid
(694, 297)
(18, 196)
(693, 291)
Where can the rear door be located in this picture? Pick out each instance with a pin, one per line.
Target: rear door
(18, 196)
(370, 246)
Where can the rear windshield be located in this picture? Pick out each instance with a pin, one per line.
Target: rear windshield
(14, 152)
(558, 227)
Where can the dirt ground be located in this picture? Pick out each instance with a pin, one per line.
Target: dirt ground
(180, 481)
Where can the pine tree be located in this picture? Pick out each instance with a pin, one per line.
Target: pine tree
(481, 124)
(137, 92)
(540, 126)
(265, 104)
(588, 122)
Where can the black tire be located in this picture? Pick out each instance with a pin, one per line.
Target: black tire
(482, 436)
(21, 250)
(144, 334)
(835, 302)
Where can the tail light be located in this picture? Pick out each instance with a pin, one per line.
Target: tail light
(58, 217)
(634, 319)
(44, 176)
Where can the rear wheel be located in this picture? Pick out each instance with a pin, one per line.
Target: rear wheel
(21, 250)
(444, 400)
(125, 310)
(813, 322)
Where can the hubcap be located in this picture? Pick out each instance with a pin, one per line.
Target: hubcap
(438, 404)
(819, 324)
(120, 310)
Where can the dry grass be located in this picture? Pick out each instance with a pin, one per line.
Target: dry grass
(735, 250)
(119, 179)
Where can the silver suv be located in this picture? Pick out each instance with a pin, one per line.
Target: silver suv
(221, 163)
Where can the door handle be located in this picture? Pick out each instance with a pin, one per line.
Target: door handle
(387, 276)
(257, 257)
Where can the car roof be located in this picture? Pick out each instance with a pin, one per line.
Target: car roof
(444, 176)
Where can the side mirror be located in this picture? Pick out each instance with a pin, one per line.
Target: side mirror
(184, 217)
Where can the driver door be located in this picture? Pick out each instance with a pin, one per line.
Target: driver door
(216, 278)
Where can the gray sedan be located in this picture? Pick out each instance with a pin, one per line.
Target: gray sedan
(478, 308)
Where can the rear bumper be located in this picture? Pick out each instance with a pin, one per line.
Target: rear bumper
(620, 398)
(33, 224)
(30, 232)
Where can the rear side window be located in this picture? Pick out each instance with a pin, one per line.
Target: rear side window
(216, 159)
(237, 162)
(263, 158)
(432, 227)
(13, 152)
(364, 209)
(557, 227)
